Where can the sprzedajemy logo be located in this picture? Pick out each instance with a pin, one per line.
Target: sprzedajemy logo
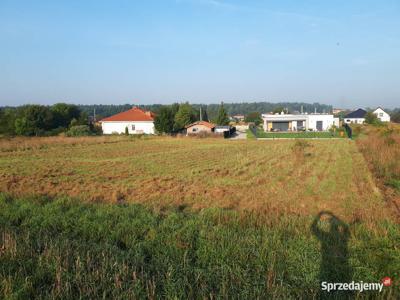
(356, 286)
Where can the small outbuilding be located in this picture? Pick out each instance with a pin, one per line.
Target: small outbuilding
(200, 126)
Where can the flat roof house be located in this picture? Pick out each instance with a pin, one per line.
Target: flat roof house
(297, 122)
(356, 117)
(137, 121)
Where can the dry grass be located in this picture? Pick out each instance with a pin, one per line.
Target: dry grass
(381, 149)
(263, 176)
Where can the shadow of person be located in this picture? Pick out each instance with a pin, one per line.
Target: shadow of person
(333, 235)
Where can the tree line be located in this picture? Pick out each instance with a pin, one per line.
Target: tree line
(231, 109)
(173, 118)
(42, 120)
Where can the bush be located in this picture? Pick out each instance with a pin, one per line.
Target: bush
(80, 130)
(371, 118)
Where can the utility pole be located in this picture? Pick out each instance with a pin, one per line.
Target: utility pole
(201, 115)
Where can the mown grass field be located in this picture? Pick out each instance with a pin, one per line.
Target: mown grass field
(268, 176)
(125, 218)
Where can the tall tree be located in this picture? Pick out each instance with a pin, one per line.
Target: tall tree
(34, 120)
(164, 121)
(204, 114)
(64, 113)
(7, 121)
(254, 117)
(222, 118)
(184, 116)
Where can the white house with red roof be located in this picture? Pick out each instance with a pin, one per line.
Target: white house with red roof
(137, 121)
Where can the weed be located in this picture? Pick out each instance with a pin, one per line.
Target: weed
(67, 249)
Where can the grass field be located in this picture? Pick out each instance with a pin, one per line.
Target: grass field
(123, 217)
(251, 175)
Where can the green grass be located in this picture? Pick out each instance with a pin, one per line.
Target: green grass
(394, 183)
(301, 134)
(66, 249)
(249, 134)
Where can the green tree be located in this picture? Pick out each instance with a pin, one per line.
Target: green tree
(7, 121)
(80, 130)
(184, 116)
(164, 121)
(126, 130)
(254, 117)
(371, 118)
(34, 120)
(395, 116)
(22, 127)
(64, 113)
(222, 118)
(204, 114)
(278, 110)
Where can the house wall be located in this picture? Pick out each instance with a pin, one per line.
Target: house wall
(308, 121)
(327, 121)
(354, 120)
(336, 122)
(382, 115)
(242, 127)
(221, 130)
(198, 128)
(119, 127)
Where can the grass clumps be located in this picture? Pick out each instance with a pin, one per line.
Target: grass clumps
(381, 149)
(63, 248)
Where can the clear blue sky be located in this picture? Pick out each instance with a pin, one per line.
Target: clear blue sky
(346, 53)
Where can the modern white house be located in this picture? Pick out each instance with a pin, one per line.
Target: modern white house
(136, 120)
(382, 115)
(298, 122)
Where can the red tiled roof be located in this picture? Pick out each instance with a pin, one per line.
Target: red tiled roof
(204, 123)
(134, 114)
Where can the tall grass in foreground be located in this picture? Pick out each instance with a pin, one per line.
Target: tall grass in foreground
(68, 249)
(381, 148)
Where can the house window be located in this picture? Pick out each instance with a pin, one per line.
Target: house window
(133, 127)
(194, 129)
(381, 114)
